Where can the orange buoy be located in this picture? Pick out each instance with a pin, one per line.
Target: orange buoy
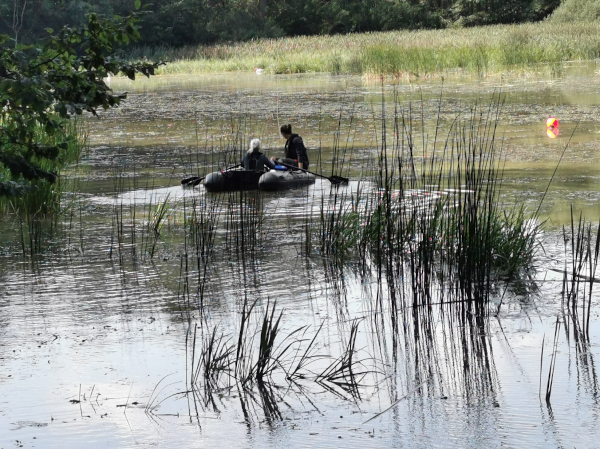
(552, 132)
(552, 122)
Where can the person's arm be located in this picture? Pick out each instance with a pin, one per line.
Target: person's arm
(267, 162)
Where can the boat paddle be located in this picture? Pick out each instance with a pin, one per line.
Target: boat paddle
(193, 181)
(332, 179)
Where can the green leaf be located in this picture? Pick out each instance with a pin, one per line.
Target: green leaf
(48, 83)
(138, 4)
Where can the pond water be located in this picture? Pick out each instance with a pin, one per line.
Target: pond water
(103, 332)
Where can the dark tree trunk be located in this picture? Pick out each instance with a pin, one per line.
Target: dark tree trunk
(262, 8)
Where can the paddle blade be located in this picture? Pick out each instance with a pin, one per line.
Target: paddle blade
(192, 181)
(338, 180)
(188, 180)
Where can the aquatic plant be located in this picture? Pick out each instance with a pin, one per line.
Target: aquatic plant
(344, 372)
(339, 230)
(483, 50)
(243, 355)
(41, 197)
(216, 358)
(582, 247)
(268, 360)
(40, 204)
(155, 220)
(552, 367)
(303, 358)
(438, 211)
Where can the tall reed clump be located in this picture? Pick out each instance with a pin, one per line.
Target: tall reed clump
(41, 203)
(457, 227)
(437, 214)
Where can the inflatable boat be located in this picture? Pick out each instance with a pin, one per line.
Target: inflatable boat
(232, 180)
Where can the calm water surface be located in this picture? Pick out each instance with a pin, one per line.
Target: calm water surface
(97, 337)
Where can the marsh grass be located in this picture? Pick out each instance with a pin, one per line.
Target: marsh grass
(345, 371)
(438, 212)
(216, 358)
(271, 355)
(533, 47)
(41, 204)
(582, 248)
(155, 221)
(263, 355)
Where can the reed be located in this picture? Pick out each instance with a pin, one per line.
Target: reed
(40, 204)
(582, 251)
(345, 371)
(156, 218)
(552, 367)
(532, 47)
(243, 356)
(216, 358)
(303, 358)
(438, 211)
(268, 360)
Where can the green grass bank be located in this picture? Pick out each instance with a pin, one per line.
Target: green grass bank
(537, 47)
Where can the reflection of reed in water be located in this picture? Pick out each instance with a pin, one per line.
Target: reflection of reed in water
(579, 275)
(445, 346)
(582, 250)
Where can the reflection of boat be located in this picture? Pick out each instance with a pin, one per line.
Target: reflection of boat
(228, 181)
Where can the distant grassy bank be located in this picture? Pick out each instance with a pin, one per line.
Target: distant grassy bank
(479, 50)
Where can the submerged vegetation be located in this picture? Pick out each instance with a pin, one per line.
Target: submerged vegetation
(537, 47)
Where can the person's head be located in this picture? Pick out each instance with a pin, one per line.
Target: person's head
(254, 146)
(286, 131)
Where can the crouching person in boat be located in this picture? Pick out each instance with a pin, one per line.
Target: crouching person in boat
(255, 160)
(295, 151)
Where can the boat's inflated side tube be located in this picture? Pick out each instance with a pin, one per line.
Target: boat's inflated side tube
(214, 182)
(229, 181)
(282, 180)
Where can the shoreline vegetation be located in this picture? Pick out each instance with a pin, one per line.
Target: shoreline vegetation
(487, 50)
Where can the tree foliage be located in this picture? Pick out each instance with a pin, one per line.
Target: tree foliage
(41, 86)
(183, 22)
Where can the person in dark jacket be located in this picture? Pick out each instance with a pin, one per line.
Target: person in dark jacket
(254, 159)
(295, 151)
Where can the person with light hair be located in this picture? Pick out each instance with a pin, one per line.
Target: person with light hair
(255, 160)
